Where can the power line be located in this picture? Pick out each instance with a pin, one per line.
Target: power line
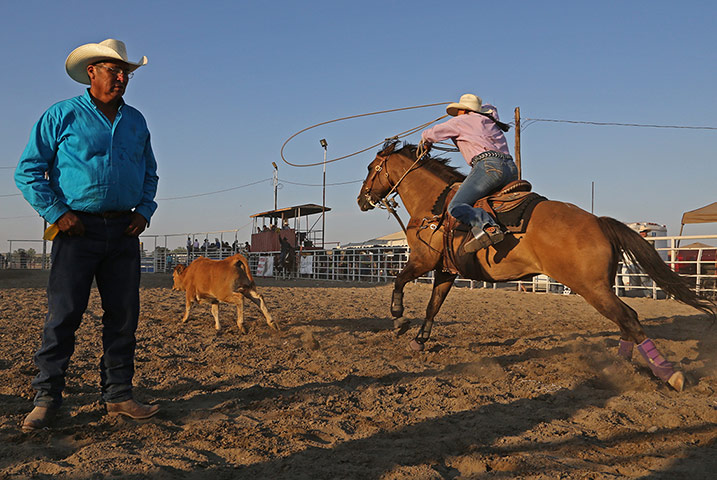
(185, 196)
(320, 184)
(616, 124)
(216, 191)
(23, 216)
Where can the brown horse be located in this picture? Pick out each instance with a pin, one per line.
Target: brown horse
(562, 241)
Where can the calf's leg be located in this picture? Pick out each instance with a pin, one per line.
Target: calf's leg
(239, 301)
(258, 300)
(215, 313)
(188, 305)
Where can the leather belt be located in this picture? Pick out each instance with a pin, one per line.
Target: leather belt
(487, 154)
(111, 214)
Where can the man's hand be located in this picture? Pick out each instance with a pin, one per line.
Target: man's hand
(136, 226)
(425, 146)
(70, 224)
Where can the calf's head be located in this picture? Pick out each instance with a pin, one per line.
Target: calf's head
(178, 276)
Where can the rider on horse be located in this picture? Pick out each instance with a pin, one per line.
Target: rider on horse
(478, 134)
(286, 251)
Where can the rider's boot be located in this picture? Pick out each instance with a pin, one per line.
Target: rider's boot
(483, 237)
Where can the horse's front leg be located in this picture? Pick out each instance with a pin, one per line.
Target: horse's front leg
(410, 272)
(443, 281)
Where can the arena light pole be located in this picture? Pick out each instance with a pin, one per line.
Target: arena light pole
(324, 145)
(276, 181)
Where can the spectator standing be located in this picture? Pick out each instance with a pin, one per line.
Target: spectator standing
(99, 191)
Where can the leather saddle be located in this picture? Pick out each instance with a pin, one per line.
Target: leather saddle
(511, 207)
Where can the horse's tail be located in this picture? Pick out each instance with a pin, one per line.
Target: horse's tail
(641, 252)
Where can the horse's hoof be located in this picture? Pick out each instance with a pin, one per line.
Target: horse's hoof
(401, 325)
(415, 346)
(677, 381)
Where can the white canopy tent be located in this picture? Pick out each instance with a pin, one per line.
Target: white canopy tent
(706, 214)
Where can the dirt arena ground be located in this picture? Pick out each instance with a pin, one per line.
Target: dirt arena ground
(514, 385)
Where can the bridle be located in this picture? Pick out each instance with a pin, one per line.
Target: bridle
(389, 204)
(381, 167)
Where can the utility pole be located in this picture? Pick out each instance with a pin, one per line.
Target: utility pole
(517, 142)
(276, 181)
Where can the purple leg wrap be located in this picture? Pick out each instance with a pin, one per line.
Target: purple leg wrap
(659, 366)
(625, 349)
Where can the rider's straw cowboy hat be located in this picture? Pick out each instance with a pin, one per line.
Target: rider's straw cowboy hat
(467, 102)
(84, 55)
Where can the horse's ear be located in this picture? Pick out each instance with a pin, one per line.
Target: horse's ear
(389, 146)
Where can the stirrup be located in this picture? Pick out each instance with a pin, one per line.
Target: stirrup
(483, 238)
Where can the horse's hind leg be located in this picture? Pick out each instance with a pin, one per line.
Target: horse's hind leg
(631, 332)
(442, 284)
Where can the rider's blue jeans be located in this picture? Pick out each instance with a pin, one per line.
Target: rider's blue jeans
(488, 174)
(112, 258)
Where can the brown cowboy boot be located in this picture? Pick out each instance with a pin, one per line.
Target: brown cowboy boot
(132, 409)
(482, 238)
(39, 418)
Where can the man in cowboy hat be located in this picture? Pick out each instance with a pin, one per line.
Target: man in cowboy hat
(478, 133)
(89, 170)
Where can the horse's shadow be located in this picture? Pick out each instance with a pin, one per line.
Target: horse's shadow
(439, 441)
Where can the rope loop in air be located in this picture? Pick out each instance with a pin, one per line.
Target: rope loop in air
(399, 135)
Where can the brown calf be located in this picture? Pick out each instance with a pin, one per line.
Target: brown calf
(227, 280)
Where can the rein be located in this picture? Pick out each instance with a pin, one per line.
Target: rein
(389, 204)
(410, 169)
(389, 207)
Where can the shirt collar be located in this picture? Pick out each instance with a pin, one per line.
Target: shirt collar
(88, 98)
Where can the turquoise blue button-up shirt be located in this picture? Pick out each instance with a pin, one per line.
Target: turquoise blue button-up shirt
(92, 165)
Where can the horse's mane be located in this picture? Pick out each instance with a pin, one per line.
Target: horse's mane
(437, 165)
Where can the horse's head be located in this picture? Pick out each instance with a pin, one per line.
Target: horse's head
(377, 184)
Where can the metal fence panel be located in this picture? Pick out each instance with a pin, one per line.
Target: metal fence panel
(382, 264)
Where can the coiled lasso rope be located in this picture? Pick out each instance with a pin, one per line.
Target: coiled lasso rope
(400, 135)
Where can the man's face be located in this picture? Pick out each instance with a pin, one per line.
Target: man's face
(108, 79)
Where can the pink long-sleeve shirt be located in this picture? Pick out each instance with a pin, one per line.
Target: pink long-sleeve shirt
(472, 133)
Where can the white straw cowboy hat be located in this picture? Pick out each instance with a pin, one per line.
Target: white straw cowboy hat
(84, 55)
(468, 101)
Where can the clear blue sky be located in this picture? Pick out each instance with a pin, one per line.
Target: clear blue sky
(228, 82)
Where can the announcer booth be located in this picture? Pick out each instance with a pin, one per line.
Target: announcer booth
(299, 225)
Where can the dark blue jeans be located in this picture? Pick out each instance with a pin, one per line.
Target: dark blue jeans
(112, 258)
(488, 174)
